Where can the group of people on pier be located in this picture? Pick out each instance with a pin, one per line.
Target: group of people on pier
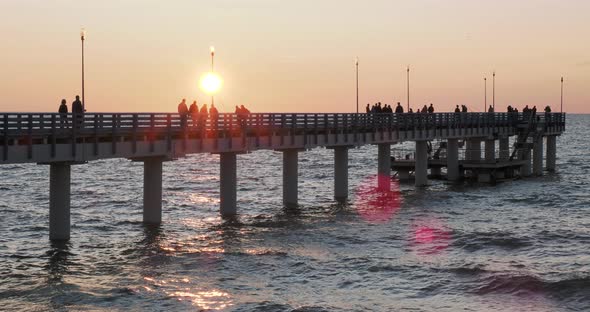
(399, 109)
(77, 111)
(200, 116)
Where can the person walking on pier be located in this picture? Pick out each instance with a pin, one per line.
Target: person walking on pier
(431, 108)
(490, 109)
(399, 109)
(368, 108)
(63, 113)
(424, 109)
(78, 112)
(183, 112)
(193, 110)
(457, 109)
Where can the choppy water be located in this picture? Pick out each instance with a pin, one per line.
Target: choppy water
(518, 246)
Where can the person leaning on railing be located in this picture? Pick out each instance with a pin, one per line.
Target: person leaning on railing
(183, 112)
(63, 113)
(78, 112)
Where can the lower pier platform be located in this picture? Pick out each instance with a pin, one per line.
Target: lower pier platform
(481, 170)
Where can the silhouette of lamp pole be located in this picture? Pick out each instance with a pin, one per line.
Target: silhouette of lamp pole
(561, 107)
(356, 62)
(212, 58)
(408, 86)
(82, 37)
(494, 91)
(485, 93)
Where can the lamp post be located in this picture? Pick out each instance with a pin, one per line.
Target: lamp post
(408, 86)
(212, 57)
(356, 62)
(485, 94)
(561, 107)
(494, 91)
(82, 37)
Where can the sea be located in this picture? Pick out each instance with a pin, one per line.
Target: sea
(519, 245)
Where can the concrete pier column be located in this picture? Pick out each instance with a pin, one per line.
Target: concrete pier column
(421, 169)
(504, 148)
(384, 166)
(525, 155)
(538, 156)
(490, 150)
(473, 149)
(453, 160)
(290, 173)
(59, 201)
(551, 152)
(152, 190)
(341, 173)
(228, 184)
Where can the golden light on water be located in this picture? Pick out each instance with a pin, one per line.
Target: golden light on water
(210, 83)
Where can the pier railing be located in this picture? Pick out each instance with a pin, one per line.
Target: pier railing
(55, 125)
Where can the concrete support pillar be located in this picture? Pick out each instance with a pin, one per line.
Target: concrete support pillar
(59, 201)
(228, 184)
(453, 173)
(341, 174)
(152, 190)
(538, 156)
(290, 172)
(551, 152)
(384, 166)
(473, 149)
(421, 170)
(504, 148)
(525, 170)
(490, 150)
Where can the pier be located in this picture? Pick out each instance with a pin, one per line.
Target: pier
(64, 140)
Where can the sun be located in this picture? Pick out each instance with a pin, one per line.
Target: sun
(210, 83)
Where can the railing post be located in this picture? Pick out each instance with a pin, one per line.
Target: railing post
(53, 134)
(96, 121)
(169, 128)
(30, 137)
(5, 151)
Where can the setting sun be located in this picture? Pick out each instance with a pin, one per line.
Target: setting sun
(210, 83)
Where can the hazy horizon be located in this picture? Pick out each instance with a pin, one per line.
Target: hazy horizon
(295, 56)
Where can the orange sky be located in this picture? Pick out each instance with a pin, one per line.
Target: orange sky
(294, 56)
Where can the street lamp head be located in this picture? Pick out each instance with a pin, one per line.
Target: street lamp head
(212, 48)
(356, 60)
(82, 33)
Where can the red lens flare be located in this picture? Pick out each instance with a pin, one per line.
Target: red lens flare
(378, 199)
(429, 237)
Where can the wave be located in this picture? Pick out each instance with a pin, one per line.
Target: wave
(481, 240)
(573, 288)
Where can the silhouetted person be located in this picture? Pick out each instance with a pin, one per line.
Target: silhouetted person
(193, 110)
(424, 109)
(368, 108)
(490, 109)
(463, 108)
(399, 109)
(183, 112)
(244, 112)
(547, 109)
(214, 116)
(203, 115)
(431, 108)
(78, 111)
(410, 111)
(63, 113)
(457, 109)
